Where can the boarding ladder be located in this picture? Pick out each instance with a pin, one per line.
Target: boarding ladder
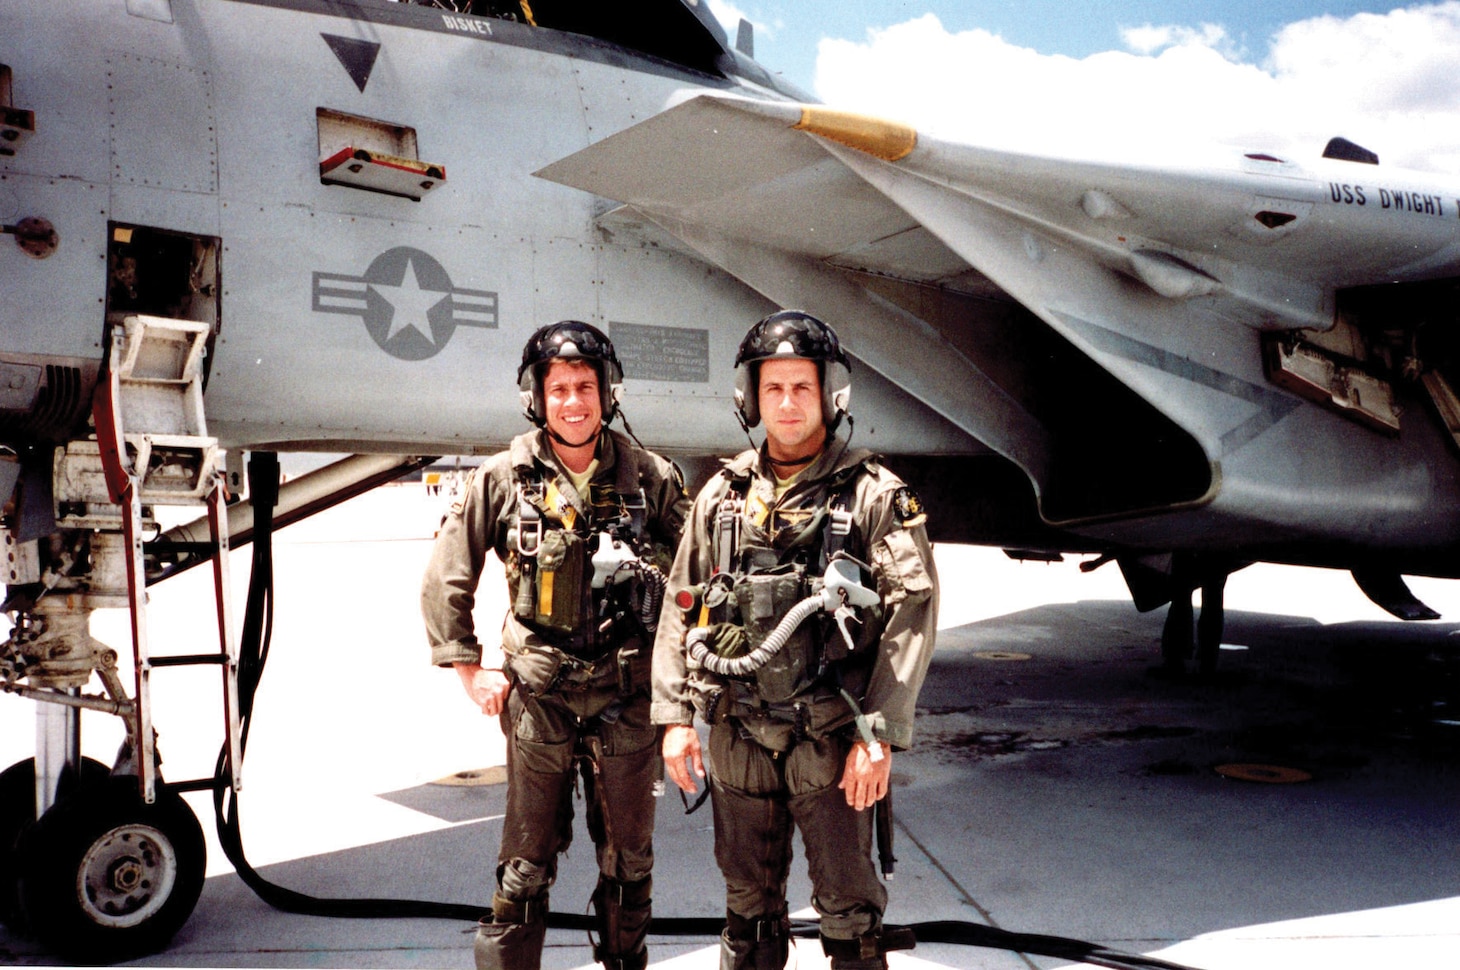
(154, 450)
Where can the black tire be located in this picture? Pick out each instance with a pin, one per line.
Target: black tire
(105, 877)
(17, 812)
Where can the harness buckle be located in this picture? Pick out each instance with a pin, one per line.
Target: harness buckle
(529, 525)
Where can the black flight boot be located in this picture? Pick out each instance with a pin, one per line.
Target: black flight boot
(623, 910)
(755, 944)
(512, 939)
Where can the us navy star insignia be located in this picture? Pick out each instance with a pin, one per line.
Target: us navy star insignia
(407, 302)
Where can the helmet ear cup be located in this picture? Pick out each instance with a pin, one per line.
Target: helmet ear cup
(836, 393)
(747, 393)
(610, 386)
(529, 392)
(612, 398)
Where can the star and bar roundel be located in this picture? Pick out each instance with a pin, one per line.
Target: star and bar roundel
(407, 302)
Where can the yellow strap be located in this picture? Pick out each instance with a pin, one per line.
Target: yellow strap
(559, 505)
(545, 593)
(527, 12)
(756, 511)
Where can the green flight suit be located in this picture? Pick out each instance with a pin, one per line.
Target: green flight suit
(769, 769)
(567, 711)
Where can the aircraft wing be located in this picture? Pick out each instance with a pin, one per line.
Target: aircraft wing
(772, 207)
(1165, 275)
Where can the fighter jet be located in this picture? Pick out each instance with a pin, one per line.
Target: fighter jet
(245, 227)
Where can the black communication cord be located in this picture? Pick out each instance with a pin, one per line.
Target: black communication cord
(263, 478)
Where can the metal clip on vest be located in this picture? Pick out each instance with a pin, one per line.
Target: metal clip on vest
(529, 525)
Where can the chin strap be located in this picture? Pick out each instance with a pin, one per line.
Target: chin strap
(778, 463)
(568, 444)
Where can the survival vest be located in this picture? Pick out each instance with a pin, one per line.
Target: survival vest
(762, 572)
(553, 535)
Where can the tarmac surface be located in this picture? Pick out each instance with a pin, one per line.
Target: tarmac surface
(1055, 787)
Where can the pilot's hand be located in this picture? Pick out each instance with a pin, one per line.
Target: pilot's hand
(682, 756)
(486, 688)
(865, 781)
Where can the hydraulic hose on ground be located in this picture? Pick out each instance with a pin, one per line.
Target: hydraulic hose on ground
(263, 473)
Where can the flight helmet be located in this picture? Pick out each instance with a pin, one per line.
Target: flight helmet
(793, 333)
(568, 340)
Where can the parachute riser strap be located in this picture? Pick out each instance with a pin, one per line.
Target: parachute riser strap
(727, 523)
(636, 505)
(527, 534)
(837, 529)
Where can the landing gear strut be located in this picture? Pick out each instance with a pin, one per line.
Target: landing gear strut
(1176, 635)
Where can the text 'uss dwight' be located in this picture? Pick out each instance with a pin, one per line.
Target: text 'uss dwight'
(1399, 200)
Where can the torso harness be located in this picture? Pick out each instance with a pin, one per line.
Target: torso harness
(575, 568)
(788, 629)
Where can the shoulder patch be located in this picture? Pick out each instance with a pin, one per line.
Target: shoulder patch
(908, 508)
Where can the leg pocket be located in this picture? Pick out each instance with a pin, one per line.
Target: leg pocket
(631, 732)
(544, 740)
(814, 766)
(739, 763)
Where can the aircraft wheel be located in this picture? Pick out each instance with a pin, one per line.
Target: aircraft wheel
(17, 811)
(106, 877)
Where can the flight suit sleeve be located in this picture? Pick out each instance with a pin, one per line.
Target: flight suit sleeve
(671, 506)
(672, 702)
(901, 557)
(448, 589)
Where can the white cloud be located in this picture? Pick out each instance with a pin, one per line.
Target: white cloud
(1149, 39)
(1390, 82)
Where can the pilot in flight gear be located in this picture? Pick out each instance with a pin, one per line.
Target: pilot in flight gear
(802, 723)
(585, 520)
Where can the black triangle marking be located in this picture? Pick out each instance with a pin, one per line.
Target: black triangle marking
(357, 56)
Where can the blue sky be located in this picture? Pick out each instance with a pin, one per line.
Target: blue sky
(789, 30)
(1050, 74)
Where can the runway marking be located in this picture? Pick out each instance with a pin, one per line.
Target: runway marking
(963, 893)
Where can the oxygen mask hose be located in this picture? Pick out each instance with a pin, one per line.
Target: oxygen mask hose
(840, 591)
(694, 642)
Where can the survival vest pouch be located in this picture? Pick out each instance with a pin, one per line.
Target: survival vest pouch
(551, 572)
(728, 640)
(802, 681)
(536, 667)
(763, 599)
(562, 557)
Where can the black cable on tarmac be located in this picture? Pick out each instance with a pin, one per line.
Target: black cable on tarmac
(257, 632)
